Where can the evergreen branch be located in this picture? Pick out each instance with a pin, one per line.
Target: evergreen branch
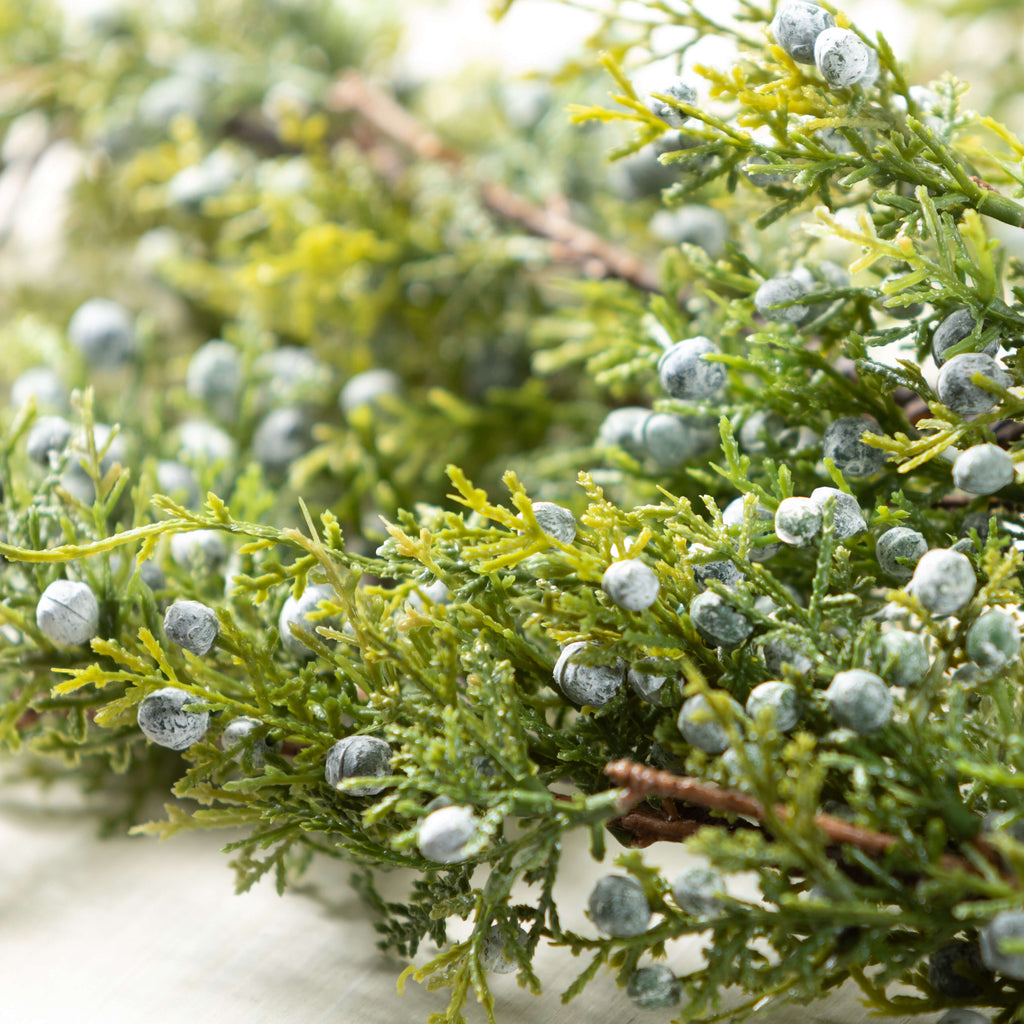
(571, 242)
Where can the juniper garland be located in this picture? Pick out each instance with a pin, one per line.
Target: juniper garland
(679, 596)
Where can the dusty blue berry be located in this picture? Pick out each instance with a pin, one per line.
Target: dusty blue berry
(102, 331)
(842, 444)
(631, 584)
(444, 835)
(621, 429)
(494, 952)
(781, 701)
(902, 658)
(654, 987)
(717, 621)
(983, 469)
(302, 612)
(859, 700)
(355, 757)
(192, 626)
(698, 890)
(68, 613)
(281, 437)
(796, 26)
(779, 290)
(685, 371)
(682, 92)
(952, 330)
(700, 725)
(692, 224)
(993, 640)
(842, 58)
(943, 581)
(555, 521)
(733, 517)
(164, 721)
(956, 970)
(797, 521)
(47, 439)
(896, 543)
(589, 684)
(252, 749)
(618, 906)
(847, 517)
(1006, 925)
(956, 388)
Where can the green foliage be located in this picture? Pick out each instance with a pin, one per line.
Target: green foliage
(447, 604)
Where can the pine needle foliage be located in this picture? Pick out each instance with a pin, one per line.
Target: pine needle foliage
(335, 236)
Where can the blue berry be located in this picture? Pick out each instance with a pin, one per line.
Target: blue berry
(943, 581)
(896, 543)
(859, 700)
(955, 970)
(733, 517)
(685, 371)
(906, 311)
(555, 521)
(780, 699)
(796, 26)
(590, 684)
(778, 290)
(494, 955)
(618, 906)
(701, 727)
(843, 445)
(631, 584)
(842, 58)
(199, 549)
(177, 481)
(1008, 924)
(214, 376)
(847, 517)
(367, 389)
(903, 660)
(697, 891)
(356, 757)
(993, 641)
(444, 835)
(192, 626)
(164, 721)
(952, 330)
(102, 331)
(648, 686)
(797, 521)
(620, 429)
(654, 987)
(299, 612)
(281, 437)
(42, 384)
(68, 613)
(717, 621)
(681, 91)
(983, 469)
(47, 439)
(957, 390)
(239, 733)
(692, 224)
(669, 441)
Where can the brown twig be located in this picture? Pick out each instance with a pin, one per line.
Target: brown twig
(640, 781)
(570, 242)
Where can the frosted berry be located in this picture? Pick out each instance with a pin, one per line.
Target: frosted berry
(719, 569)
(797, 521)
(199, 549)
(902, 658)
(842, 58)
(700, 726)
(618, 906)
(685, 371)
(692, 224)
(214, 376)
(761, 427)
(192, 186)
(200, 441)
(958, 391)
(733, 516)
(697, 891)
(357, 757)
(281, 437)
(42, 384)
(367, 389)
(494, 956)
(718, 622)
(590, 684)
(68, 613)
(952, 331)
(669, 441)
(102, 331)
(620, 429)
(192, 626)
(649, 686)
(859, 700)
(983, 469)
(555, 521)
(177, 481)
(444, 835)
(796, 26)
(780, 698)
(299, 612)
(779, 654)
(654, 987)
(843, 445)
(896, 543)
(956, 971)
(239, 733)
(153, 576)
(1009, 924)
(993, 640)
(290, 374)
(164, 721)
(776, 291)
(681, 91)
(47, 439)
(631, 584)
(943, 581)
(847, 517)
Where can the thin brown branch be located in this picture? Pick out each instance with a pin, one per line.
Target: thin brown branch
(640, 782)
(570, 242)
